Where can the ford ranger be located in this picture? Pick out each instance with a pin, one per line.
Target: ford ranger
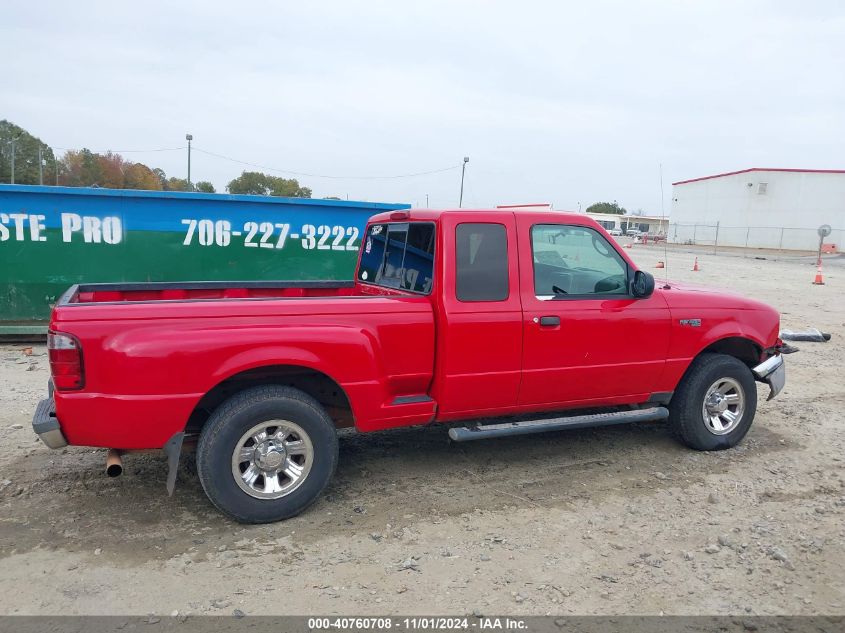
(457, 317)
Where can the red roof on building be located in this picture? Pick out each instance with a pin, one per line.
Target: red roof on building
(746, 171)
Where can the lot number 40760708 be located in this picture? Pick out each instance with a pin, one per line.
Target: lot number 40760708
(271, 235)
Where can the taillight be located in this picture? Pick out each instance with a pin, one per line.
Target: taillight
(65, 361)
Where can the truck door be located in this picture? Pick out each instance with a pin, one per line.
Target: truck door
(479, 316)
(586, 340)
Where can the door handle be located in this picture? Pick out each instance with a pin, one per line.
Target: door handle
(549, 321)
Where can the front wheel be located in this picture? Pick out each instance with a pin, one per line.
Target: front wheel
(266, 454)
(715, 403)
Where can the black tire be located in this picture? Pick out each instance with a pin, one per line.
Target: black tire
(686, 418)
(223, 432)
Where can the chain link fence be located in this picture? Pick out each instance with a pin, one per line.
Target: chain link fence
(765, 237)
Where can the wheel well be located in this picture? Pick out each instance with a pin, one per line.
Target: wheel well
(742, 348)
(316, 384)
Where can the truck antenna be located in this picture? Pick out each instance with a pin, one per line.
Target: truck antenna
(666, 235)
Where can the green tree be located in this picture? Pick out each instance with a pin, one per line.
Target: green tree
(249, 183)
(203, 186)
(139, 176)
(112, 167)
(257, 184)
(606, 207)
(176, 184)
(80, 169)
(162, 177)
(288, 188)
(26, 156)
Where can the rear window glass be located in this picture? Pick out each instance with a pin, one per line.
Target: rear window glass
(482, 262)
(399, 255)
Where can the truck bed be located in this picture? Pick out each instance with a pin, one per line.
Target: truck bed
(373, 348)
(198, 290)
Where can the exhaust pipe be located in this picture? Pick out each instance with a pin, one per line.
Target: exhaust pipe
(114, 463)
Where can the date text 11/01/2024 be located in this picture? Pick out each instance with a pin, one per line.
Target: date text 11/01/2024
(23, 227)
(417, 623)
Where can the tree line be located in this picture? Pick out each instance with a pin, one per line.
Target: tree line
(84, 168)
(607, 207)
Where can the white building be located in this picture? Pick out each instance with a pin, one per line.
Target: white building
(651, 224)
(760, 208)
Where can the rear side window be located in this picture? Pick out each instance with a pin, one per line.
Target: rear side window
(399, 255)
(482, 262)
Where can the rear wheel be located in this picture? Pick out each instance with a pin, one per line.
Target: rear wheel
(715, 403)
(266, 454)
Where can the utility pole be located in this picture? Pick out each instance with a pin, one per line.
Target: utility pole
(426, 201)
(189, 138)
(13, 161)
(40, 167)
(463, 171)
(56, 165)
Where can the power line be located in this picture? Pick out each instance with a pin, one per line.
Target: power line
(334, 177)
(266, 167)
(123, 151)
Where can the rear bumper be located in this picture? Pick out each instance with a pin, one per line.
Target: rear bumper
(46, 425)
(773, 373)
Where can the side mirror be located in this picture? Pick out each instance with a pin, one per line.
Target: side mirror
(643, 284)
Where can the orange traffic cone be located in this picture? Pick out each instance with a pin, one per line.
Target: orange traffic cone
(819, 280)
(660, 265)
(695, 266)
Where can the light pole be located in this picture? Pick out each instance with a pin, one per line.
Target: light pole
(40, 167)
(189, 138)
(12, 147)
(426, 202)
(463, 171)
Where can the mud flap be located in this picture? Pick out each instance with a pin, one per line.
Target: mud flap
(173, 449)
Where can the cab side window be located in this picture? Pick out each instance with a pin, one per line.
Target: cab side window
(575, 261)
(482, 262)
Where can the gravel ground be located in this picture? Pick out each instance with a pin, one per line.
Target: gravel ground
(605, 521)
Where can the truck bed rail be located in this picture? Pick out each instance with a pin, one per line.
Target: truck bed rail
(194, 290)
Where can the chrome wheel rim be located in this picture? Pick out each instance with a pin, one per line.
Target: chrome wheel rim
(724, 406)
(272, 459)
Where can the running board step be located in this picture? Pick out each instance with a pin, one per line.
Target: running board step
(467, 433)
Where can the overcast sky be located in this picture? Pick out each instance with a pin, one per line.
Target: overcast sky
(568, 103)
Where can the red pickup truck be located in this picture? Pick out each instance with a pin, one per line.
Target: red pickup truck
(454, 317)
